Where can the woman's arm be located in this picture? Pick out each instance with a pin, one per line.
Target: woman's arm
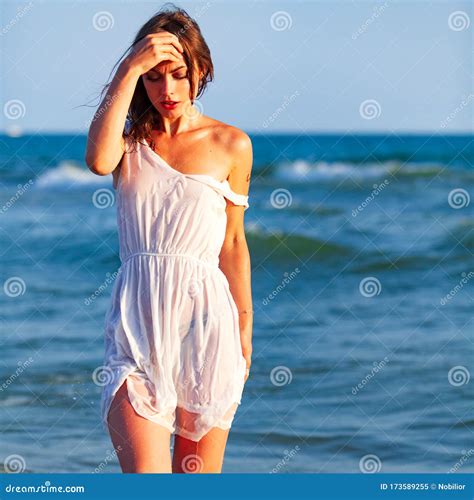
(234, 258)
(105, 142)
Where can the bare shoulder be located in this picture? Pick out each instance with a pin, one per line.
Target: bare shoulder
(241, 153)
(239, 142)
(233, 138)
(237, 145)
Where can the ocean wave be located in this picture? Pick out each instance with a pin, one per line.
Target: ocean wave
(458, 239)
(280, 245)
(305, 171)
(288, 246)
(68, 175)
(385, 261)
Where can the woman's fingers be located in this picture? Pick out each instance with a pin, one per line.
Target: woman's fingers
(167, 37)
(155, 48)
(247, 371)
(168, 55)
(170, 49)
(165, 51)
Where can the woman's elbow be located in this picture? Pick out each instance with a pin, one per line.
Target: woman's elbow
(98, 166)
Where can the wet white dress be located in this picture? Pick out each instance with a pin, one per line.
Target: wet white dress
(172, 327)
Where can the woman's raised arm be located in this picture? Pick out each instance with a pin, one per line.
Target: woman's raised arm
(105, 142)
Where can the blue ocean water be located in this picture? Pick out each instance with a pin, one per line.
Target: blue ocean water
(362, 277)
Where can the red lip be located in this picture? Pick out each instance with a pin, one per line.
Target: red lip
(169, 105)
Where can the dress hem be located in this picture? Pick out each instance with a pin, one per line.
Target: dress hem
(201, 410)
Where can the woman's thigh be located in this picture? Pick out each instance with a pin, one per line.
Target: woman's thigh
(141, 445)
(203, 456)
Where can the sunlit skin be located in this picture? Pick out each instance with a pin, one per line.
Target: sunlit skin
(185, 134)
(168, 81)
(194, 143)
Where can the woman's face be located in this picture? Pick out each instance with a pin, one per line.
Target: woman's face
(168, 81)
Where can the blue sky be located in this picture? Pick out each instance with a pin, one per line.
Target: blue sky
(318, 66)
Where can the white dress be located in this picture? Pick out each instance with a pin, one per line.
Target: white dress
(172, 326)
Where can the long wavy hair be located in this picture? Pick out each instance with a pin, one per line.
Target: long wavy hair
(142, 116)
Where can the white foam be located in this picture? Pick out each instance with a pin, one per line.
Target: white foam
(304, 171)
(69, 174)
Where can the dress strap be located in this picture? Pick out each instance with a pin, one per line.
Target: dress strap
(223, 188)
(235, 198)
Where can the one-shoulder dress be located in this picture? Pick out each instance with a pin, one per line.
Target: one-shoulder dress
(172, 326)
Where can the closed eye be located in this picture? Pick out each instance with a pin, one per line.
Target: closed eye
(156, 79)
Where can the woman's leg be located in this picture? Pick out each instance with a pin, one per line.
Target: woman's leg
(203, 456)
(141, 445)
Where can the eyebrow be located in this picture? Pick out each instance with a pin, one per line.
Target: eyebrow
(172, 71)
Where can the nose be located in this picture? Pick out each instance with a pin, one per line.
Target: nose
(167, 86)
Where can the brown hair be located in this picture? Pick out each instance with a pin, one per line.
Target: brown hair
(142, 116)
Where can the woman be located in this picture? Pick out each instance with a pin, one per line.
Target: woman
(178, 332)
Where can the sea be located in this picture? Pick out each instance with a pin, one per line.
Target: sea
(362, 283)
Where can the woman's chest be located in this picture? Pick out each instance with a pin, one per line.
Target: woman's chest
(172, 193)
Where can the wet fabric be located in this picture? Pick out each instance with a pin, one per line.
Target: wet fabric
(172, 328)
